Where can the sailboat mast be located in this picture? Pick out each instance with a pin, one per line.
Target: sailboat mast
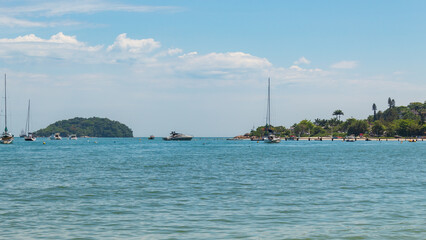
(268, 108)
(269, 102)
(27, 127)
(5, 105)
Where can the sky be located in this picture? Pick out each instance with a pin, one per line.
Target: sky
(202, 67)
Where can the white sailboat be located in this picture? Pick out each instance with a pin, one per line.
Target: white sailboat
(6, 137)
(28, 135)
(270, 137)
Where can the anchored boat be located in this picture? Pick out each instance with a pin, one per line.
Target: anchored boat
(270, 137)
(6, 137)
(174, 136)
(56, 136)
(73, 137)
(28, 135)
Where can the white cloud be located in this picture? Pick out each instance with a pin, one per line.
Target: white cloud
(47, 13)
(134, 45)
(59, 46)
(59, 8)
(14, 22)
(302, 60)
(31, 38)
(174, 51)
(230, 60)
(144, 57)
(345, 65)
(299, 69)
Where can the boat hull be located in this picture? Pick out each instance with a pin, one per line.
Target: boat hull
(30, 139)
(177, 139)
(272, 141)
(6, 140)
(174, 136)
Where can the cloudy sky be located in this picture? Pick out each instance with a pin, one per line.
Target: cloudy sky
(201, 67)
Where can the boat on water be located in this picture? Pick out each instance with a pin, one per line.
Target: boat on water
(350, 139)
(174, 136)
(270, 137)
(29, 136)
(22, 135)
(73, 137)
(56, 136)
(152, 137)
(6, 137)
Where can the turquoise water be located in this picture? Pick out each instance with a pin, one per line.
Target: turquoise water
(212, 189)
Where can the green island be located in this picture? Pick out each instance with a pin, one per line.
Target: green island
(394, 122)
(91, 127)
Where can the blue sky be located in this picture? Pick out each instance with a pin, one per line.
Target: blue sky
(201, 67)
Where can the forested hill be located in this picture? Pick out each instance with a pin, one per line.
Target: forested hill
(92, 127)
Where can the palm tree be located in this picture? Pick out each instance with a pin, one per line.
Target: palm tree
(374, 109)
(338, 113)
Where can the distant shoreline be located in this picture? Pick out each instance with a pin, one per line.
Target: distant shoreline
(357, 139)
(339, 139)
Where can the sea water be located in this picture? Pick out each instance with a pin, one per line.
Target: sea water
(210, 188)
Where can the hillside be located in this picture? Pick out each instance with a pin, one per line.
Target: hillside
(92, 127)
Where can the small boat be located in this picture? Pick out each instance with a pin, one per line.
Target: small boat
(350, 139)
(72, 137)
(174, 136)
(151, 137)
(270, 138)
(22, 135)
(29, 137)
(55, 136)
(6, 137)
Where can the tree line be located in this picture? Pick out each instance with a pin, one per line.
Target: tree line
(401, 121)
(92, 127)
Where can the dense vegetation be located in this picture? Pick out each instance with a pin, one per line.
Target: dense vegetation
(92, 127)
(402, 121)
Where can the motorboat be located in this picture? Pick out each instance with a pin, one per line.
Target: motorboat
(72, 137)
(271, 138)
(22, 135)
(55, 136)
(350, 139)
(174, 136)
(152, 137)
